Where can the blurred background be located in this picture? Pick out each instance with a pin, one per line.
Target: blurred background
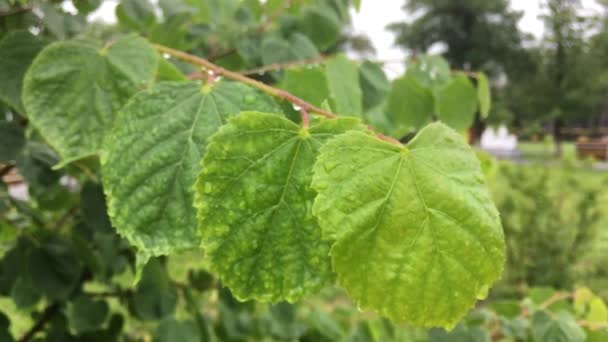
(543, 146)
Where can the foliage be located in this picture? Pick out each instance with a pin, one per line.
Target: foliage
(135, 154)
(463, 28)
(430, 91)
(565, 202)
(544, 315)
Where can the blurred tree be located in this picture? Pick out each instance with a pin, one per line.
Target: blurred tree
(477, 34)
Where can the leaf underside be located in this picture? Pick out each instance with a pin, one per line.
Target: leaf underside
(153, 158)
(255, 201)
(417, 236)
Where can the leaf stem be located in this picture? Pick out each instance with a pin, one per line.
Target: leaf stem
(282, 66)
(305, 118)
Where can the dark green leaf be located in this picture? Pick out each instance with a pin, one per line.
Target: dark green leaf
(155, 297)
(73, 90)
(54, 268)
(86, 6)
(374, 84)
(323, 27)
(86, 314)
(94, 209)
(148, 178)
(12, 140)
(170, 330)
(17, 51)
(24, 294)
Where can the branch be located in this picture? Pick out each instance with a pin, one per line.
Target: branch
(66, 216)
(244, 79)
(6, 169)
(283, 66)
(46, 316)
(304, 106)
(15, 11)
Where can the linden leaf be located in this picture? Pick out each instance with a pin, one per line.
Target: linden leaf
(74, 88)
(154, 154)
(456, 103)
(17, 51)
(417, 235)
(484, 95)
(254, 203)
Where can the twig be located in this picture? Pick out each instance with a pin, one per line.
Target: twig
(556, 298)
(46, 316)
(283, 66)
(244, 79)
(280, 93)
(6, 169)
(68, 214)
(15, 11)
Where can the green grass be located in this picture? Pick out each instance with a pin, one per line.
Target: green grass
(544, 151)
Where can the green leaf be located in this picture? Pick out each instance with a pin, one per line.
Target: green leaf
(456, 103)
(54, 269)
(280, 50)
(93, 207)
(309, 84)
(540, 295)
(170, 330)
(594, 335)
(344, 88)
(508, 309)
(136, 14)
(24, 294)
(374, 84)
(254, 205)
(86, 314)
(430, 71)
(5, 334)
(153, 158)
(12, 141)
(409, 105)
(417, 235)
(35, 162)
(561, 328)
(86, 6)
(59, 23)
(357, 4)
(74, 88)
(484, 94)
(155, 296)
(167, 71)
(17, 51)
(322, 26)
